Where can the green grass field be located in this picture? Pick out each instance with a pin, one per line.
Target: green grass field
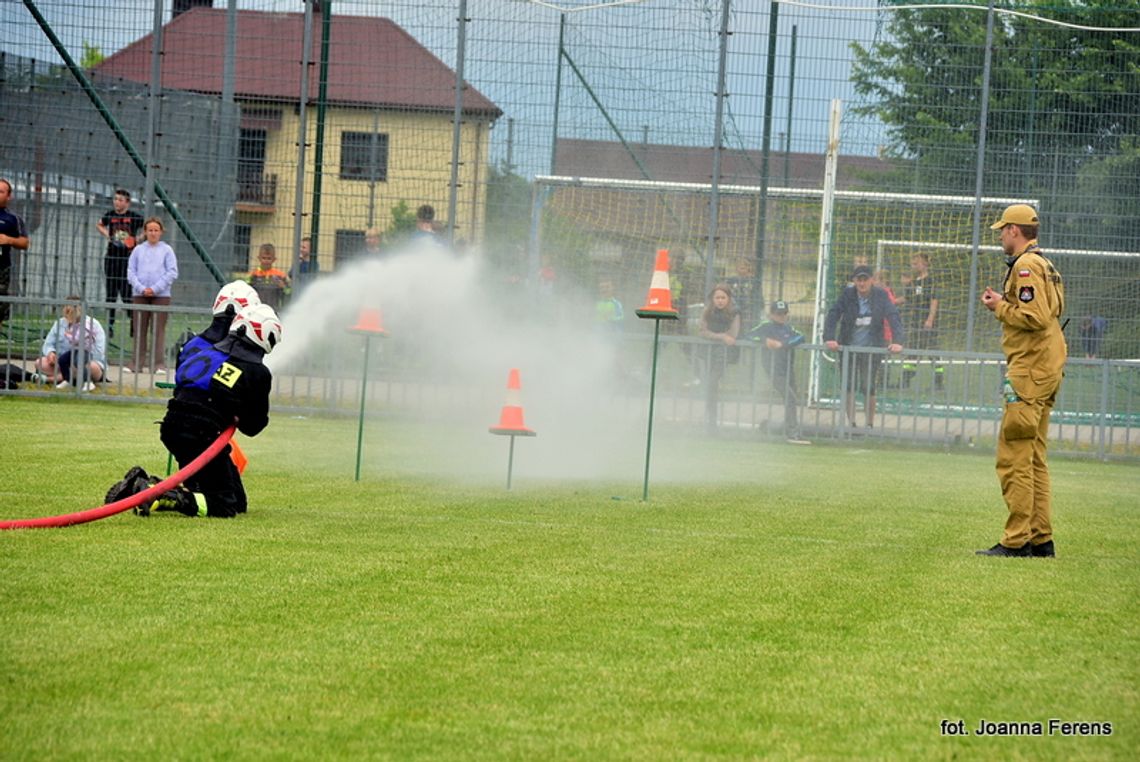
(798, 603)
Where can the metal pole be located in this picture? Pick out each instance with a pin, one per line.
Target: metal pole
(229, 52)
(457, 119)
(791, 101)
(510, 167)
(979, 176)
(510, 462)
(788, 146)
(765, 151)
(302, 129)
(557, 93)
(1101, 445)
(363, 397)
(718, 139)
(652, 394)
(373, 159)
(823, 264)
(319, 149)
(153, 106)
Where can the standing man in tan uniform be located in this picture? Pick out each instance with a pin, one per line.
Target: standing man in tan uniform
(1029, 308)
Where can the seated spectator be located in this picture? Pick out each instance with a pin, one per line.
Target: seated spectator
(270, 282)
(61, 348)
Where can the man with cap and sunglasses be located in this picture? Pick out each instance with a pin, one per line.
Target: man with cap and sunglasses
(856, 319)
(1029, 307)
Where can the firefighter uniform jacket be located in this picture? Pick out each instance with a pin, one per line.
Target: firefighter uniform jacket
(1031, 334)
(216, 384)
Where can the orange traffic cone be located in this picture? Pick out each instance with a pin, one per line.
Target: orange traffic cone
(369, 321)
(511, 419)
(659, 302)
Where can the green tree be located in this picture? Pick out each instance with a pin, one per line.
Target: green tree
(403, 223)
(507, 226)
(92, 57)
(1061, 100)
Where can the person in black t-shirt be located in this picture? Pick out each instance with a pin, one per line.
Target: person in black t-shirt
(920, 302)
(121, 227)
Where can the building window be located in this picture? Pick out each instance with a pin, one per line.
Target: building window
(254, 186)
(364, 156)
(242, 236)
(347, 246)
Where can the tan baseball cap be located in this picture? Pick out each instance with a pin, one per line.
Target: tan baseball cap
(1018, 214)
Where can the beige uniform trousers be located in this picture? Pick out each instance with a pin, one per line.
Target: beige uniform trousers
(1021, 465)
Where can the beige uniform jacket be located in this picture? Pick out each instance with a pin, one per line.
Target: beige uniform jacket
(1031, 330)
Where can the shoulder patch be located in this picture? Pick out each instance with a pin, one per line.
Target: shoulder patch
(1023, 273)
(1025, 293)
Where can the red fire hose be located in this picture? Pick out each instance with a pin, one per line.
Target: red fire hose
(94, 514)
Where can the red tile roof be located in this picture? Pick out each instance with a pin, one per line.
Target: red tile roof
(372, 62)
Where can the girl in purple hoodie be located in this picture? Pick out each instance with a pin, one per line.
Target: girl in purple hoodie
(151, 271)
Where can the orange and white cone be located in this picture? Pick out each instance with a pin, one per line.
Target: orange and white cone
(369, 322)
(511, 418)
(659, 302)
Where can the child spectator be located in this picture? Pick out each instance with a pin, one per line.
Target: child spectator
(779, 339)
(61, 349)
(720, 323)
(307, 267)
(151, 270)
(121, 227)
(608, 312)
(270, 282)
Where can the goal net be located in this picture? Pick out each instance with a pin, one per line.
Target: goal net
(589, 229)
(1102, 289)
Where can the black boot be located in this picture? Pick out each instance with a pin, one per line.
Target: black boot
(179, 500)
(1000, 550)
(132, 483)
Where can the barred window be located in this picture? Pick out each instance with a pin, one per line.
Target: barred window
(364, 156)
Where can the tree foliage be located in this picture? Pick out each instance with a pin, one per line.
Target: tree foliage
(92, 57)
(1063, 103)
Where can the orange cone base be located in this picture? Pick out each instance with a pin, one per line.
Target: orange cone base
(512, 432)
(657, 314)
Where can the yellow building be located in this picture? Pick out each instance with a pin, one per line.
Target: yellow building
(387, 126)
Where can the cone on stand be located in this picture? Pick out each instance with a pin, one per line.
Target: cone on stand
(659, 301)
(511, 417)
(369, 322)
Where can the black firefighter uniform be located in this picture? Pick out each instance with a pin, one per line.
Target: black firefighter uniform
(1035, 352)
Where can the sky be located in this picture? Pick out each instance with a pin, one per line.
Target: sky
(652, 65)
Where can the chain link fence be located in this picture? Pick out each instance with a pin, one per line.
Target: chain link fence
(241, 124)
